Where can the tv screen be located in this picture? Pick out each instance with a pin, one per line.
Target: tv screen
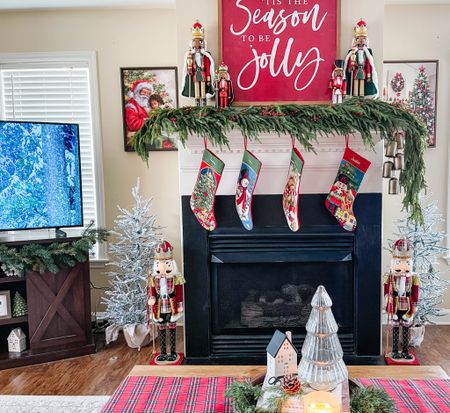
(40, 175)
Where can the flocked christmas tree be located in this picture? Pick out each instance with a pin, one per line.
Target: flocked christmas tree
(20, 307)
(322, 366)
(133, 250)
(427, 243)
(421, 101)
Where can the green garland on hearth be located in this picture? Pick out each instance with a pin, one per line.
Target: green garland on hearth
(303, 122)
(17, 261)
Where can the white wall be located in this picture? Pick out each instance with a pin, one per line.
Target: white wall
(414, 32)
(122, 38)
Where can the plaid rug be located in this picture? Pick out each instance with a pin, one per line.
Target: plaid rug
(170, 395)
(415, 396)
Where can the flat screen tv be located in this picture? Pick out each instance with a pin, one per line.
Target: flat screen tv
(40, 175)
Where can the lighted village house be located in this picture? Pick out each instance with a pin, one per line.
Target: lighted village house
(281, 356)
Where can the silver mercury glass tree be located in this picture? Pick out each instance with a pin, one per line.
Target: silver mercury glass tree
(322, 366)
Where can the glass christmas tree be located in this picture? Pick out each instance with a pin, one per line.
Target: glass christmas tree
(421, 101)
(20, 307)
(133, 249)
(321, 366)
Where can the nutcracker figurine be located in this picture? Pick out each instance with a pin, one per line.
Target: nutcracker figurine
(401, 291)
(198, 70)
(337, 83)
(165, 298)
(223, 87)
(359, 67)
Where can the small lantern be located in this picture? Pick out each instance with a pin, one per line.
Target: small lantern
(17, 341)
(321, 402)
(391, 149)
(399, 162)
(399, 137)
(394, 187)
(388, 167)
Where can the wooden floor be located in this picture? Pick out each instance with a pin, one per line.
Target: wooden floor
(101, 373)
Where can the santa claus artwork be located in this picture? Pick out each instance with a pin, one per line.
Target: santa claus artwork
(198, 69)
(165, 300)
(359, 67)
(138, 105)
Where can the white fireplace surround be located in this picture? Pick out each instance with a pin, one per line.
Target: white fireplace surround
(274, 152)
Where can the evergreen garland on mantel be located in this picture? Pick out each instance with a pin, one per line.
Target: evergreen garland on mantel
(305, 123)
(17, 261)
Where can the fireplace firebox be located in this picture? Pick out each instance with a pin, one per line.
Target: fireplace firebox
(242, 285)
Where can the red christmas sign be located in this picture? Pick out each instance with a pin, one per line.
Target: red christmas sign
(279, 50)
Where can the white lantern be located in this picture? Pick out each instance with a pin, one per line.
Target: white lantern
(17, 341)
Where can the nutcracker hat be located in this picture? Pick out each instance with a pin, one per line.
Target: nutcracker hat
(402, 248)
(338, 67)
(360, 29)
(164, 251)
(197, 31)
(138, 85)
(223, 67)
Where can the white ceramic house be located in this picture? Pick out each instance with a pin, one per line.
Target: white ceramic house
(17, 341)
(281, 356)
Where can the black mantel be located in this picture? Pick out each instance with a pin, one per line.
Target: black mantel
(354, 258)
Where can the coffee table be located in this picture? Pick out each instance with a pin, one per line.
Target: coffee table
(387, 372)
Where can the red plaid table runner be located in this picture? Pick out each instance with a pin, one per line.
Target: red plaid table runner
(170, 395)
(415, 396)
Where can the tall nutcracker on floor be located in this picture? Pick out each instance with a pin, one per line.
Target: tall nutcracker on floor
(165, 301)
(198, 68)
(401, 291)
(359, 66)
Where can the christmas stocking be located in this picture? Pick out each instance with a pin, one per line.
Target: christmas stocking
(203, 195)
(291, 190)
(248, 176)
(343, 192)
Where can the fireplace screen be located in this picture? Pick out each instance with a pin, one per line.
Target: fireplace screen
(264, 296)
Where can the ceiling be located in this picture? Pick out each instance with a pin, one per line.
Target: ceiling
(58, 4)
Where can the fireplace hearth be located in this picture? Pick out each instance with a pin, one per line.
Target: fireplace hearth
(242, 285)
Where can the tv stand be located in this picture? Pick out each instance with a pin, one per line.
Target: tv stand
(59, 233)
(58, 323)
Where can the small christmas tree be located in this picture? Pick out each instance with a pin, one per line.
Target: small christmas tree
(321, 366)
(20, 307)
(421, 101)
(427, 244)
(136, 239)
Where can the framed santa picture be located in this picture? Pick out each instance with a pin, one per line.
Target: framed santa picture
(279, 51)
(144, 90)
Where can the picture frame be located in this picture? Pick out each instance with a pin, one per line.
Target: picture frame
(281, 86)
(414, 83)
(146, 89)
(5, 305)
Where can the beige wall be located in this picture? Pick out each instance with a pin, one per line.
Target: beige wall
(122, 38)
(415, 33)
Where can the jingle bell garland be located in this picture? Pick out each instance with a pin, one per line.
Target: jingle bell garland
(303, 122)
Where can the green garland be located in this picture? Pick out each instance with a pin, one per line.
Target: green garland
(303, 122)
(17, 261)
(244, 396)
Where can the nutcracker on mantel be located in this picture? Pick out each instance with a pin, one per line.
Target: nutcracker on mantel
(401, 291)
(359, 67)
(198, 68)
(165, 300)
(224, 87)
(337, 83)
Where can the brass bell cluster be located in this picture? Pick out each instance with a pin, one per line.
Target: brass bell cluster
(395, 161)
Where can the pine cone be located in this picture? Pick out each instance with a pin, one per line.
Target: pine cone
(291, 384)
